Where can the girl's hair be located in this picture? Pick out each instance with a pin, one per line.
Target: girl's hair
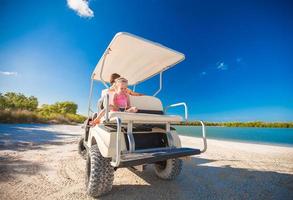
(113, 77)
(121, 80)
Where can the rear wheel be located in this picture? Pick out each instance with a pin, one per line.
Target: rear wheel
(169, 169)
(81, 148)
(99, 173)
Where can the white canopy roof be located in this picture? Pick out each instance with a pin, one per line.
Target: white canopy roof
(135, 59)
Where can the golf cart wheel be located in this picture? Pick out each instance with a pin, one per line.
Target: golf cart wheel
(99, 173)
(81, 148)
(169, 169)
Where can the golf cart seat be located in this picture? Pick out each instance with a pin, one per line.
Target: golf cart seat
(150, 110)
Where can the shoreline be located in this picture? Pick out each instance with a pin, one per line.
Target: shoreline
(186, 139)
(241, 141)
(244, 125)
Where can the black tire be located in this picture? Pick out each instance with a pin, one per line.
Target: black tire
(169, 169)
(81, 148)
(99, 173)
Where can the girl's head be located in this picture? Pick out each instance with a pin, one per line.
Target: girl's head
(113, 78)
(121, 85)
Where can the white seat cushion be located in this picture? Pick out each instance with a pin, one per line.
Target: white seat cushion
(146, 102)
(140, 102)
(142, 117)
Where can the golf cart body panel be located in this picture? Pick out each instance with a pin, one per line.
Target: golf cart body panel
(105, 139)
(106, 136)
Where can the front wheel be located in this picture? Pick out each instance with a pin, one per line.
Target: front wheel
(99, 173)
(168, 169)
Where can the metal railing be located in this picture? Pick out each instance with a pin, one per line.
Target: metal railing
(205, 145)
(116, 162)
(179, 104)
(203, 129)
(106, 107)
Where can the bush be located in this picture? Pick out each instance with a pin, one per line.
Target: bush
(66, 107)
(19, 116)
(17, 108)
(25, 116)
(18, 101)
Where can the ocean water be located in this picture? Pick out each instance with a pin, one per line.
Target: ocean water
(276, 136)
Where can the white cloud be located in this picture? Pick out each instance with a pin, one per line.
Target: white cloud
(203, 73)
(222, 66)
(8, 73)
(239, 59)
(81, 7)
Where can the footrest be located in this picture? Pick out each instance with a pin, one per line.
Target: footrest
(149, 156)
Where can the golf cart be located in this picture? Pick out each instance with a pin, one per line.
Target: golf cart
(124, 139)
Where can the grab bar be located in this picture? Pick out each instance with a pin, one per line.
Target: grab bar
(118, 144)
(179, 104)
(203, 129)
(107, 107)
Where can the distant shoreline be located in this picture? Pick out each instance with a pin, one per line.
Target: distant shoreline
(255, 124)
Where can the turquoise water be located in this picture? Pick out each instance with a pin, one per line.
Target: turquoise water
(278, 136)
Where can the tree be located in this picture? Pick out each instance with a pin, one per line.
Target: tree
(2, 102)
(18, 101)
(66, 107)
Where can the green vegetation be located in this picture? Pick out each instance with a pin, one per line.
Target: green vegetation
(243, 124)
(14, 101)
(17, 108)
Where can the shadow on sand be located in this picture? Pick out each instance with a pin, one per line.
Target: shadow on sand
(11, 167)
(199, 181)
(22, 137)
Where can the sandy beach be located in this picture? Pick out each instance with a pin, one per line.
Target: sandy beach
(41, 162)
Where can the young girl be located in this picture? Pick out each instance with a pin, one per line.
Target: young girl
(120, 100)
(121, 97)
(112, 81)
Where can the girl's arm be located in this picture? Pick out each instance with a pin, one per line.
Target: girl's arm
(129, 91)
(113, 103)
(128, 101)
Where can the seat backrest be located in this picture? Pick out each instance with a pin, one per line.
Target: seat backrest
(146, 103)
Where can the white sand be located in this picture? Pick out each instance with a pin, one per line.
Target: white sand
(54, 170)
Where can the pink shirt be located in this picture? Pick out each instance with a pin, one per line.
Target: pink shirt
(120, 100)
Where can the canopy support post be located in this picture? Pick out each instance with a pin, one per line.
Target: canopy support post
(103, 63)
(90, 97)
(161, 84)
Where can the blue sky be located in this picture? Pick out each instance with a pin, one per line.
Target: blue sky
(238, 63)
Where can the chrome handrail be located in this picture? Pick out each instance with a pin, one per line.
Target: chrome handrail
(107, 107)
(178, 104)
(203, 129)
(118, 144)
